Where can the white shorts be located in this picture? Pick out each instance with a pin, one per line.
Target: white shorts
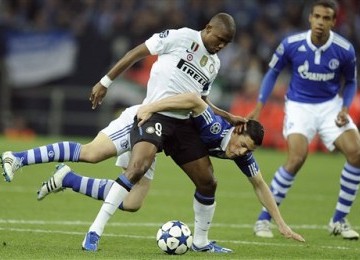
(119, 132)
(119, 129)
(123, 161)
(309, 119)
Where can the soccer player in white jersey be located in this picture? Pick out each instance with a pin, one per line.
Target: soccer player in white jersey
(221, 138)
(316, 102)
(187, 62)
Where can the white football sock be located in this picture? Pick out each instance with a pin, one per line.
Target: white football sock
(116, 195)
(203, 217)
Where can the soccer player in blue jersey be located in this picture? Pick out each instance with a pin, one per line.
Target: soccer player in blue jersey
(321, 89)
(221, 138)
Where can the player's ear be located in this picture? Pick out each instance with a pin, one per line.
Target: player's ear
(333, 23)
(208, 28)
(239, 129)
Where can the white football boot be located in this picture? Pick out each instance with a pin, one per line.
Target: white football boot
(10, 164)
(54, 184)
(342, 228)
(262, 228)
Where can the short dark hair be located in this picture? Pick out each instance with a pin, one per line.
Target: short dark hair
(326, 3)
(255, 130)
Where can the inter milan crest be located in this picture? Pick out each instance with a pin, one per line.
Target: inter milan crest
(150, 130)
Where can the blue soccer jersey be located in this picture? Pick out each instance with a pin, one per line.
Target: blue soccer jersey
(215, 132)
(316, 71)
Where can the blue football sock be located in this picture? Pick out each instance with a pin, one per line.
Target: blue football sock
(57, 152)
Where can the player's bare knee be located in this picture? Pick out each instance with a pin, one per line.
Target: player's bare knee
(207, 188)
(294, 163)
(353, 158)
(89, 157)
(88, 154)
(132, 208)
(136, 171)
(213, 184)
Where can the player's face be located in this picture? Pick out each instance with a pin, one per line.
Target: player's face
(321, 22)
(216, 38)
(239, 145)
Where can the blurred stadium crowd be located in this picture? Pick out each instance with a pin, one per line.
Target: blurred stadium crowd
(105, 29)
(114, 26)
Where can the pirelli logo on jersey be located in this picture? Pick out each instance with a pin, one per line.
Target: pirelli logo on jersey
(193, 72)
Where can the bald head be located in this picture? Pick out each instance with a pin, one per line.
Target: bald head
(224, 22)
(218, 32)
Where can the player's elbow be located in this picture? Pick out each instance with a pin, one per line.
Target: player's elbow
(197, 104)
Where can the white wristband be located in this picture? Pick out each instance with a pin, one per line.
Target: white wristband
(106, 81)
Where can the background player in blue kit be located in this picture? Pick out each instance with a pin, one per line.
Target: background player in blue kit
(221, 138)
(316, 102)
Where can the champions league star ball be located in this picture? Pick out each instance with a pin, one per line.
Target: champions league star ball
(174, 237)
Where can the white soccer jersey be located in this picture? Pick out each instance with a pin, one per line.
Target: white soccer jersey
(183, 65)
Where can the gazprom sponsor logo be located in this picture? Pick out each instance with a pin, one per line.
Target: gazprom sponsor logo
(306, 74)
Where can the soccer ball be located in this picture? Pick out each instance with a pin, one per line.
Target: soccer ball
(174, 237)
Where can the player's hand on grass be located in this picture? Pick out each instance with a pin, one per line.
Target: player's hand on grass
(288, 233)
(98, 92)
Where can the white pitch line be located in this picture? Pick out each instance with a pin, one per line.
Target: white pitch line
(149, 224)
(29, 230)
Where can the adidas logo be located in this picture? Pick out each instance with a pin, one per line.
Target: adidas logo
(302, 48)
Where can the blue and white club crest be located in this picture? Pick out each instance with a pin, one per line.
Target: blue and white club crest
(124, 144)
(334, 64)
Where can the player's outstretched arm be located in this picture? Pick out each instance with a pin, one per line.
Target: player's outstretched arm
(186, 101)
(99, 91)
(233, 119)
(267, 200)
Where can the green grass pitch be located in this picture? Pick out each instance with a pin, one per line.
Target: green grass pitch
(55, 227)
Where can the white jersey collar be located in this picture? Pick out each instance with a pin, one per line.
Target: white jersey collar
(323, 47)
(225, 141)
(202, 45)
